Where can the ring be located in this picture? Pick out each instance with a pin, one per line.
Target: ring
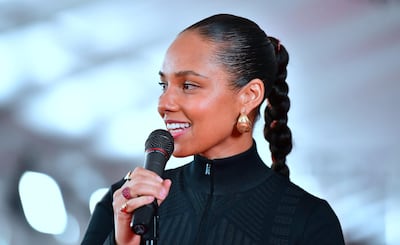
(126, 192)
(128, 176)
(123, 207)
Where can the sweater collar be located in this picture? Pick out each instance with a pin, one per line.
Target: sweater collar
(237, 173)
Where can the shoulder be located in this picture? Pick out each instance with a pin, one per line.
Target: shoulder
(314, 216)
(306, 203)
(293, 193)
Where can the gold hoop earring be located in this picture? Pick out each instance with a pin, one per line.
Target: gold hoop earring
(243, 124)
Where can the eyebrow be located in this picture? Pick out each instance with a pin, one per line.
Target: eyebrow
(183, 73)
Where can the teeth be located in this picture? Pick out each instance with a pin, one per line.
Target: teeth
(173, 126)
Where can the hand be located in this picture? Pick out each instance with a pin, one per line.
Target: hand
(143, 186)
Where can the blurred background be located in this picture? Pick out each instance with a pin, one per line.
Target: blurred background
(79, 89)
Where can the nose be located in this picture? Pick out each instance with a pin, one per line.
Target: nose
(168, 101)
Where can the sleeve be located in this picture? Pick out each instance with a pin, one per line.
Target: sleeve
(323, 227)
(101, 225)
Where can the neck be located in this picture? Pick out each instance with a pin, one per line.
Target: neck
(238, 144)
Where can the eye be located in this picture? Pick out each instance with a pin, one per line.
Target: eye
(188, 85)
(163, 85)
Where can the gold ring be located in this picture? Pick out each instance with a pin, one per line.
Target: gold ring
(128, 176)
(123, 207)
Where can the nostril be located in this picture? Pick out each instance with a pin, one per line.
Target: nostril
(167, 102)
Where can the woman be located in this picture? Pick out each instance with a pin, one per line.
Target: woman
(215, 76)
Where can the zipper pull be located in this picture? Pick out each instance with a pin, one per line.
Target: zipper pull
(208, 169)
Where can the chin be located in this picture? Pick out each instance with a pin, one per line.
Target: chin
(181, 153)
(177, 155)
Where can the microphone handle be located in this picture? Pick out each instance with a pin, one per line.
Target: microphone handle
(143, 217)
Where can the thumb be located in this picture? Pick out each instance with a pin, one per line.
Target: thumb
(167, 184)
(166, 187)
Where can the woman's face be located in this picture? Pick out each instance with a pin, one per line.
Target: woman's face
(198, 106)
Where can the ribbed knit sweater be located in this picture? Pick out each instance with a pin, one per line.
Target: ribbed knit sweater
(236, 201)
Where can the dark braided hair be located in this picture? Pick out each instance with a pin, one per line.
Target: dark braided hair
(248, 53)
(276, 130)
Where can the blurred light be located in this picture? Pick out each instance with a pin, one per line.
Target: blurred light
(43, 55)
(96, 197)
(392, 226)
(71, 234)
(104, 27)
(126, 133)
(42, 203)
(87, 30)
(175, 162)
(3, 241)
(9, 72)
(65, 110)
(78, 103)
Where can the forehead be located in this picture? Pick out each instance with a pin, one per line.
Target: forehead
(190, 51)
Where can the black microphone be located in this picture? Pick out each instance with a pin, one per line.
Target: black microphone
(158, 148)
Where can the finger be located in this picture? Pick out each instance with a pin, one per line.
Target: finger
(123, 214)
(124, 209)
(166, 187)
(131, 205)
(123, 217)
(139, 171)
(146, 183)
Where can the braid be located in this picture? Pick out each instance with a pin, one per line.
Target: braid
(276, 130)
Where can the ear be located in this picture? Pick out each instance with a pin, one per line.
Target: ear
(251, 95)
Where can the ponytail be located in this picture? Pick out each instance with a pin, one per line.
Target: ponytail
(276, 130)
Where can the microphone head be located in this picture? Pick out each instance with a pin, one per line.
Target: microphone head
(162, 140)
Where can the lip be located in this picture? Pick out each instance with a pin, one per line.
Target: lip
(177, 131)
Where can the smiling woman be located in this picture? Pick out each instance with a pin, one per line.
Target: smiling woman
(195, 87)
(215, 76)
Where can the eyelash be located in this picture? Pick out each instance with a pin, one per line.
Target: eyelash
(163, 85)
(187, 85)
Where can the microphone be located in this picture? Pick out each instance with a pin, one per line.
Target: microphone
(158, 148)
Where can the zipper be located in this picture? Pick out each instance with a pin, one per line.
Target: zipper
(204, 216)
(208, 169)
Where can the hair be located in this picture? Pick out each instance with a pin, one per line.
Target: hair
(247, 53)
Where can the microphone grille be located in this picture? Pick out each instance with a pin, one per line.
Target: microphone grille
(160, 138)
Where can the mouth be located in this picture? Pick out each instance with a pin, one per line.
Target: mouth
(177, 128)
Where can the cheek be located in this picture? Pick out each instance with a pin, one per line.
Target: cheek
(217, 112)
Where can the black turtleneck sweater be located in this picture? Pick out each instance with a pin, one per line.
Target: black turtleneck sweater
(236, 201)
